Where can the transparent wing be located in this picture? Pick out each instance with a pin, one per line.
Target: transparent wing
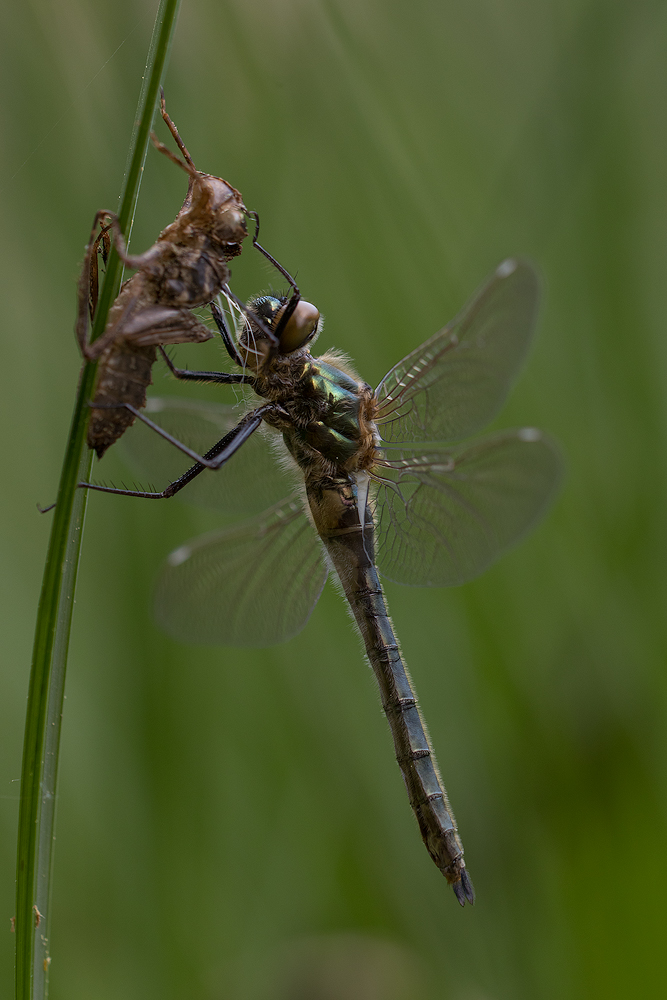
(252, 585)
(249, 483)
(455, 383)
(444, 517)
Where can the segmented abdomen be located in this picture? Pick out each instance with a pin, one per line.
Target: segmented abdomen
(333, 504)
(124, 374)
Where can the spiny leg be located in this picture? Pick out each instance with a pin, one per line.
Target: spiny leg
(84, 287)
(252, 420)
(189, 376)
(227, 338)
(295, 297)
(92, 352)
(174, 131)
(135, 261)
(218, 454)
(268, 333)
(103, 244)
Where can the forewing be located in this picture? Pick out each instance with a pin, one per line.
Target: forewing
(250, 482)
(252, 585)
(444, 517)
(455, 383)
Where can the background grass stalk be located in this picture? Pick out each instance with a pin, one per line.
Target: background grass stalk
(47, 678)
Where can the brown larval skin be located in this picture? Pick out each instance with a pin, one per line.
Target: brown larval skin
(184, 269)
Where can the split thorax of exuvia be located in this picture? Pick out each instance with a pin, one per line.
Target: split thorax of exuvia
(212, 218)
(329, 412)
(189, 265)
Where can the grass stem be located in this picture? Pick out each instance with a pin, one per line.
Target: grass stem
(54, 617)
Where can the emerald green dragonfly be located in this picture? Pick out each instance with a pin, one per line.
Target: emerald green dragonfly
(365, 483)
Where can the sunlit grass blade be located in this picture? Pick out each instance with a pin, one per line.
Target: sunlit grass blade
(47, 678)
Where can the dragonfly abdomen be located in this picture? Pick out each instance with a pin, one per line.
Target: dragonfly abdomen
(350, 547)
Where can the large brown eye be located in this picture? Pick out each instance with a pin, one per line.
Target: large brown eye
(300, 328)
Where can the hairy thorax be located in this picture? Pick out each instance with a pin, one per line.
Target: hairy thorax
(328, 423)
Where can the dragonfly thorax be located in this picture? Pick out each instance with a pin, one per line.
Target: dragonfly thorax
(327, 412)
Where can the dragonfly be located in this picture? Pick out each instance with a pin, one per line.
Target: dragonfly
(361, 483)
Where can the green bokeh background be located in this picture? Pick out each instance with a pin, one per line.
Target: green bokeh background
(231, 824)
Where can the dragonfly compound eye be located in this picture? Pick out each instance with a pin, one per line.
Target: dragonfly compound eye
(300, 327)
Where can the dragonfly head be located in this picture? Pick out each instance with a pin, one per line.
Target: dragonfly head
(295, 332)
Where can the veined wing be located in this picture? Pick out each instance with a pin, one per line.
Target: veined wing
(249, 483)
(455, 383)
(445, 516)
(252, 585)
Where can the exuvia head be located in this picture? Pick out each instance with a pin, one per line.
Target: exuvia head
(217, 209)
(212, 207)
(212, 210)
(299, 329)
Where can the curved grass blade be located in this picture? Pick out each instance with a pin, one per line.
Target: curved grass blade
(47, 678)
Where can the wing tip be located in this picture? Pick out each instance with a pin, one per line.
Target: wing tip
(507, 267)
(179, 555)
(155, 404)
(530, 435)
(511, 265)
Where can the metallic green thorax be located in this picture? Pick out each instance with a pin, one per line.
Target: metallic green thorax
(336, 435)
(332, 425)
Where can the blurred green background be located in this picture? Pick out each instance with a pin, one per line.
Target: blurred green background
(232, 824)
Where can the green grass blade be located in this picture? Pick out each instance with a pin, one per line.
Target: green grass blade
(47, 678)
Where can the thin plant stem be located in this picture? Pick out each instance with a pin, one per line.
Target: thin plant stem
(47, 679)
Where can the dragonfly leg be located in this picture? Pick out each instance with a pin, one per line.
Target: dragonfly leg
(268, 333)
(206, 461)
(295, 297)
(227, 338)
(215, 458)
(190, 376)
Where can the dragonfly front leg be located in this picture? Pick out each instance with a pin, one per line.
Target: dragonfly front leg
(215, 458)
(295, 297)
(227, 338)
(224, 378)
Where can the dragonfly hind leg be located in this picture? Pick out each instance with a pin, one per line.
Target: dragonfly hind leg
(215, 458)
(212, 459)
